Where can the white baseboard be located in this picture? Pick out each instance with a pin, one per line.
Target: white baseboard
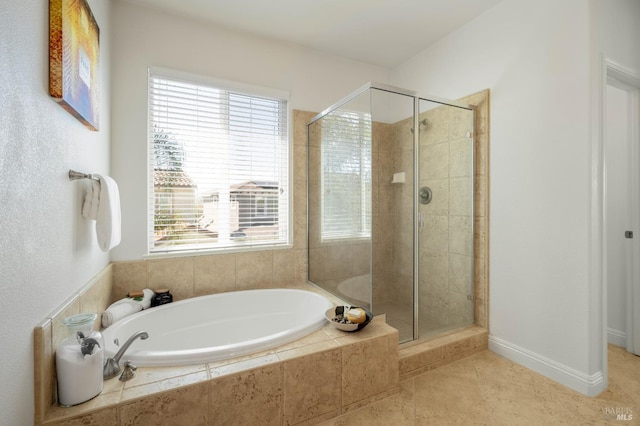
(590, 385)
(617, 337)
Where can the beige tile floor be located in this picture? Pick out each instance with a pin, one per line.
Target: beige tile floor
(486, 389)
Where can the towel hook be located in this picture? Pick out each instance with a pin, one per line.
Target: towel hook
(73, 175)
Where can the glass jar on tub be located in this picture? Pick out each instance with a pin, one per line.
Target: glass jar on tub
(79, 361)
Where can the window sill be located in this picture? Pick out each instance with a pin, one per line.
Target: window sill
(209, 252)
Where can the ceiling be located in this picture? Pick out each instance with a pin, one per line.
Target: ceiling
(379, 32)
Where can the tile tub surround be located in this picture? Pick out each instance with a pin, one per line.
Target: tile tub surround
(94, 297)
(319, 377)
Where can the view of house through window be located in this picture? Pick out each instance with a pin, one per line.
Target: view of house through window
(219, 164)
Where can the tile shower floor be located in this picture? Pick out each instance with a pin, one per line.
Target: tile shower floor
(400, 317)
(486, 389)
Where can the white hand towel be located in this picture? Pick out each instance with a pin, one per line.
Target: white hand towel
(108, 221)
(125, 307)
(120, 310)
(91, 198)
(146, 300)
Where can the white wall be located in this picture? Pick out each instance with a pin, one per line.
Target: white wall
(540, 60)
(619, 31)
(535, 58)
(146, 37)
(47, 251)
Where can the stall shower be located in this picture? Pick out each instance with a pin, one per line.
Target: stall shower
(390, 207)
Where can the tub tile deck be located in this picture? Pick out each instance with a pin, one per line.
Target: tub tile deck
(326, 364)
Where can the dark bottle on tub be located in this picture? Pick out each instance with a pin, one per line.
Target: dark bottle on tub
(161, 297)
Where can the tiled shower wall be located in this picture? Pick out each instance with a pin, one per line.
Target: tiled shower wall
(445, 244)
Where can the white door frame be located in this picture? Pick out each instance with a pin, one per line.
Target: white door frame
(629, 81)
(633, 293)
(631, 337)
(635, 219)
(598, 330)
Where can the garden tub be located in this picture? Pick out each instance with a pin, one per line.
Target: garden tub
(218, 326)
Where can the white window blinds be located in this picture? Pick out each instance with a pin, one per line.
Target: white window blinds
(219, 167)
(346, 175)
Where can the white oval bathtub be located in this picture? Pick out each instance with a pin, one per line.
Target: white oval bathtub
(218, 326)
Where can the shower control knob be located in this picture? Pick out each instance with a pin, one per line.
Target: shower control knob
(425, 195)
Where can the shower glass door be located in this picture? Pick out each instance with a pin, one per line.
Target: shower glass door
(340, 168)
(445, 218)
(393, 209)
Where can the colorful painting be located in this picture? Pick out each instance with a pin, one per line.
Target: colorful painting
(74, 48)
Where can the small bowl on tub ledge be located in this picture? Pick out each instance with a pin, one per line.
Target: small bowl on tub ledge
(349, 318)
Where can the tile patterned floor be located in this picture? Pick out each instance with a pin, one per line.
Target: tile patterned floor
(486, 389)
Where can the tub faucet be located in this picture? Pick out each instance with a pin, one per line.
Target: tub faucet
(112, 366)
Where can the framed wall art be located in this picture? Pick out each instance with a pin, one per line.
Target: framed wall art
(74, 50)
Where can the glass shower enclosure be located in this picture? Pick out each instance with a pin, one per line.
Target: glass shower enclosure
(390, 199)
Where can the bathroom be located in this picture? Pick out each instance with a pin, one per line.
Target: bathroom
(535, 58)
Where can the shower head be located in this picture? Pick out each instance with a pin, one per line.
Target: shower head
(422, 122)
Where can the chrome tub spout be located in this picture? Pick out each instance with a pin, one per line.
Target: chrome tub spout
(111, 366)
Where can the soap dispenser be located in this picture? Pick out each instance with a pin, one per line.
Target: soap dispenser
(79, 361)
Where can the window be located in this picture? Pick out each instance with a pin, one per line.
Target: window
(346, 175)
(219, 166)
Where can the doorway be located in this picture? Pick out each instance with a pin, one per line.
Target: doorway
(622, 209)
